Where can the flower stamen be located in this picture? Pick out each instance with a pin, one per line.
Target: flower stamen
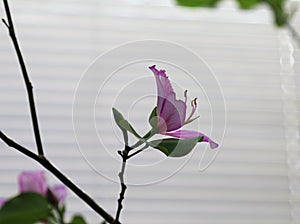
(185, 96)
(194, 107)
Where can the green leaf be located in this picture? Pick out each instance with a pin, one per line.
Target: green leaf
(248, 4)
(26, 208)
(118, 118)
(77, 219)
(153, 119)
(280, 15)
(174, 147)
(197, 3)
(127, 126)
(124, 125)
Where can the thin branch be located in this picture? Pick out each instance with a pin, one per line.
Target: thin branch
(51, 168)
(10, 26)
(138, 151)
(294, 33)
(5, 23)
(125, 157)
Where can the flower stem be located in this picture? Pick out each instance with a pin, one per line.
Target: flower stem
(138, 151)
(148, 135)
(125, 157)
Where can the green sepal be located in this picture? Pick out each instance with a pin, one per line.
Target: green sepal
(153, 120)
(174, 147)
(118, 118)
(25, 208)
(124, 125)
(127, 126)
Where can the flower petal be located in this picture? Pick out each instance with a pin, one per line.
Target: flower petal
(193, 134)
(32, 181)
(2, 201)
(60, 192)
(164, 86)
(171, 112)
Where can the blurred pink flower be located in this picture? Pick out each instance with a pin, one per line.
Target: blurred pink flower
(60, 192)
(172, 112)
(35, 181)
(2, 201)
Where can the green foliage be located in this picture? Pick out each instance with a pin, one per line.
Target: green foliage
(118, 118)
(277, 7)
(77, 219)
(248, 4)
(174, 147)
(127, 126)
(124, 125)
(281, 17)
(198, 3)
(26, 208)
(153, 119)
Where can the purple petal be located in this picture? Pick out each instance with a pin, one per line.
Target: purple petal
(172, 114)
(60, 192)
(164, 86)
(171, 111)
(193, 134)
(32, 181)
(2, 201)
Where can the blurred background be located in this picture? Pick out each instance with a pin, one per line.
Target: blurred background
(255, 176)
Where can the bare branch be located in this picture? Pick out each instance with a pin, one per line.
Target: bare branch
(10, 26)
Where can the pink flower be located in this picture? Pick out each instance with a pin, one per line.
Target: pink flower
(30, 181)
(2, 201)
(172, 112)
(60, 192)
(35, 181)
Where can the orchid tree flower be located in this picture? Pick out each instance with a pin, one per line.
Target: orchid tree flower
(171, 112)
(35, 181)
(167, 118)
(2, 201)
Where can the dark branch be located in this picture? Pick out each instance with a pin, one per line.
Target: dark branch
(10, 26)
(5, 23)
(51, 168)
(125, 157)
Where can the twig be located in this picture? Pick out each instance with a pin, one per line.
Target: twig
(138, 151)
(125, 157)
(10, 26)
(51, 168)
(294, 33)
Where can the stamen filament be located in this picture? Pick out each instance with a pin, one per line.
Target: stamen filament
(194, 107)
